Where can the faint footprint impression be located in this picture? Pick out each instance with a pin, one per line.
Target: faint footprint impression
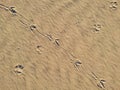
(97, 27)
(39, 49)
(113, 5)
(100, 82)
(77, 64)
(19, 69)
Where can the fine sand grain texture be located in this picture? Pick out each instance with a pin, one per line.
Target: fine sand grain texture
(59, 44)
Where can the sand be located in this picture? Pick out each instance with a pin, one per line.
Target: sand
(59, 45)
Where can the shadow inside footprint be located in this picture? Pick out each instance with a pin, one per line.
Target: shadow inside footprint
(19, 69)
